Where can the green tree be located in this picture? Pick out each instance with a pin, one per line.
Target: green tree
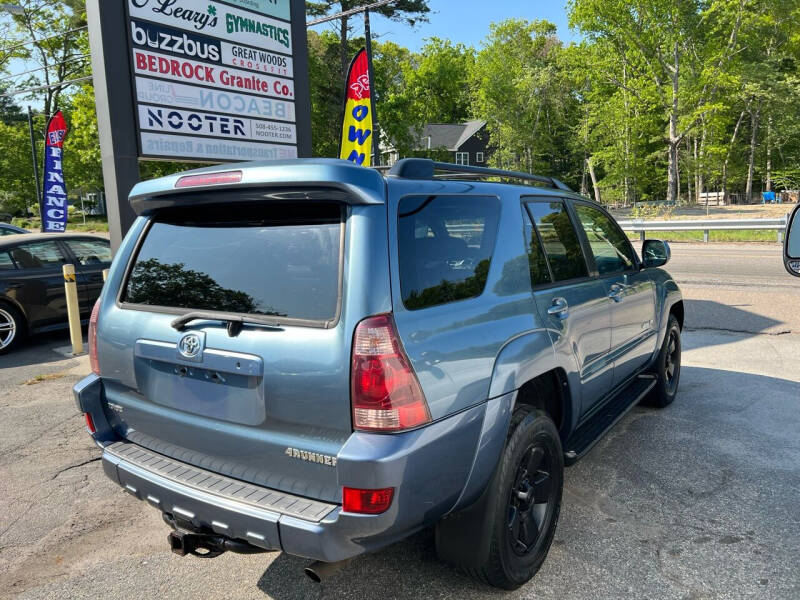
(521, 87)
(403, 11)
(674, 54)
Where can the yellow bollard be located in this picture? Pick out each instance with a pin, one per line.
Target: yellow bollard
(71, 289)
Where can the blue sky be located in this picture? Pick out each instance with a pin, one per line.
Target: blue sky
(466, 21)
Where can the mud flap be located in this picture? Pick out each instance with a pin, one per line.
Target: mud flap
(464, 537)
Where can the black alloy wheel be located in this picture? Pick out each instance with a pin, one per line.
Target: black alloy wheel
(531, 501)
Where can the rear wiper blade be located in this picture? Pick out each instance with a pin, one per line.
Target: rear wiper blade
(235, 322)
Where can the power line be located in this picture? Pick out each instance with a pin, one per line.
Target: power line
(15, 75)
(350, 12)
(45, 87)
(50, 37)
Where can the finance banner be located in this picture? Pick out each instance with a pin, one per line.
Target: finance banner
(55, 204)
(220, 74)
(357, 123)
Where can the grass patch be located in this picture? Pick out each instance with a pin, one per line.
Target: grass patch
(43, 378)
(91, 225)
(735, 235)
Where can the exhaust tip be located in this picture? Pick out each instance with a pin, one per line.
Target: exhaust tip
(319, 571)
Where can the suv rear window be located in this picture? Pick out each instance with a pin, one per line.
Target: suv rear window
(259, 259)
(445, 246)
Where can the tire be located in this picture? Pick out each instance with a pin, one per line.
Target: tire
(12, 328)
(517, 551)
(667, 367)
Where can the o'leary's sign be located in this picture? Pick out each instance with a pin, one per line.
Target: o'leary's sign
(54, 209)
(213, 80)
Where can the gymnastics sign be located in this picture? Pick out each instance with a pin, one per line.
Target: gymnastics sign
(54, 211)
(357, 125)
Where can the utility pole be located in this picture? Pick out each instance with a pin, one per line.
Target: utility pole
(376, 150)
(35, 159)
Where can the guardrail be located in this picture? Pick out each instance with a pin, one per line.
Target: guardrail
(641, 227)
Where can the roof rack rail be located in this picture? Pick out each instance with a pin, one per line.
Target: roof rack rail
(424, 168)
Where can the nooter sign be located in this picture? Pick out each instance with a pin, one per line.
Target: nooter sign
(215, 81)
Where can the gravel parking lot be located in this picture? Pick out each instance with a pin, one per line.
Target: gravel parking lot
(697, 501)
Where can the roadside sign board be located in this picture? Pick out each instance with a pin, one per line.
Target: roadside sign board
(214, 80)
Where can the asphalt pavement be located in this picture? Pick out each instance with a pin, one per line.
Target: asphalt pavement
(699, 500)
(737, 287)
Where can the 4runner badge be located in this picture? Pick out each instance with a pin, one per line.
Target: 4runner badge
(315, 457)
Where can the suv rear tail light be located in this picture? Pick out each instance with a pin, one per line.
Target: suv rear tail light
(385, 393)
(366, 502)
(93, 338)
(209, 179)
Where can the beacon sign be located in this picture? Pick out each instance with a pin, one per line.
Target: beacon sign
(213, 81)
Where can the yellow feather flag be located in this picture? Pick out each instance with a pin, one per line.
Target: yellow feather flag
(357, 127)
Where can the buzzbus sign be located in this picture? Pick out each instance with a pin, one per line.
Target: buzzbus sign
(215, 80)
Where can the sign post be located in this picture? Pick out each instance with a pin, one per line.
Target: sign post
(115, 119)
(204, 81)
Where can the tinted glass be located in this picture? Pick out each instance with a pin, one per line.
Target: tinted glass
(612, 250)
(540, 274)
(6, 264)
(90, 252)
(445, 247)
(7, 231)
(38, 255)
(266, 259)
(560, 240)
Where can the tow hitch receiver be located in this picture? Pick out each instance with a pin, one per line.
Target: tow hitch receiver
(204, 546)
(207, 545)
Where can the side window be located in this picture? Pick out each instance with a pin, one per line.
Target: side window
(560, 240)
(540, 272)
(90, 252)
(612, 251)
(6, 264)
(445, 246)
(38, 255)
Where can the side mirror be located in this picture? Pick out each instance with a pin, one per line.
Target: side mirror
(655, 253)
(791, 244)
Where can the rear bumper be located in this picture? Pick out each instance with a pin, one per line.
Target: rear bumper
(429, 469)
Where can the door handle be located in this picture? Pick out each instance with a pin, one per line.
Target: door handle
(559, 308)
(617, 289)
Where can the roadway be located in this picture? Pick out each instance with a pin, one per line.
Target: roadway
(736, 287)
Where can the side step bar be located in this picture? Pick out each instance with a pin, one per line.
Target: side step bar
(588, 434)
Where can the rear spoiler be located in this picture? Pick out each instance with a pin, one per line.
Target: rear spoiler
(283, 181)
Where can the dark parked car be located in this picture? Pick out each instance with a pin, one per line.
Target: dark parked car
(6, 229)
(32, 296)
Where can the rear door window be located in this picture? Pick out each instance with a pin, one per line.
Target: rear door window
(38, 255)
(560, 240)
(537, 262)
(272, 260)
(445, 247)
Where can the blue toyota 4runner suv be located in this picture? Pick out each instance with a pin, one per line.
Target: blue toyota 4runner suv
(322, 359)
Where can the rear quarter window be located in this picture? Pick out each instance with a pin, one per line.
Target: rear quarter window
(272, 260)
(445, 246)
